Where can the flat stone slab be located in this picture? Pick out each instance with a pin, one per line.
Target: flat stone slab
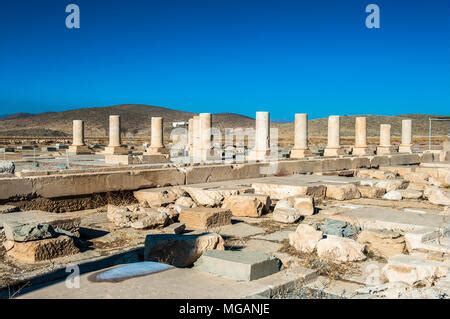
(263, 246)
(277, 236)
(238, 265)
(386, 218)
(240, 230)
(204, 218)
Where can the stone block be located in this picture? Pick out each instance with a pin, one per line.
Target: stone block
(175, 228)
(247, 205)
(340, 249)
(180, 250)
(238, 265)
(382, 243)
(155, 197)
(45, 249)
(371, 192)
(305, 238)
(203, 218)
(304, 204)
(342, 192)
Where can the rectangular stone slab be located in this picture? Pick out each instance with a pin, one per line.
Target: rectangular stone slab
(238, 265)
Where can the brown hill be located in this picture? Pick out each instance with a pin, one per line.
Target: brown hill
(136, 123)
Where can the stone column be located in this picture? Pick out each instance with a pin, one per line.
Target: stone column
(78, 133)
(262, 137)
(406, 144)
(360, 147)
(78, 146)
(385, 140)
(115, 143)
(156, 138)
(333, 147)
(301, 149)
(190, 139)
(205, 123)
(195, 151)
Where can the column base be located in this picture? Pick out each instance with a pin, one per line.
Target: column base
(298, 153)
(405, 149)
(79, 150)
(115, 150)
(334, 152)
(156, 150)
(362, 151)
(258, 155)
(386, 150)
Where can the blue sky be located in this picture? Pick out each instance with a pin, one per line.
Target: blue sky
(283, 56)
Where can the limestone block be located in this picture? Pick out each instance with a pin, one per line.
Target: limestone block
(247, 205)
(416, 177)
(185, 201)
(342, 191)
(7, 167)
(213, 196)
(180, 250)
(375, 173)
(141, 218)
(154, 197)
(393, 195)
(392, 185)
(413, 270)
(284, 212)
(437, 196)
(305, 238)
(203, 218)
(410, 193)
(39, 250)
(175, 228)
(383, 243)
(371, 192)
(340, 249)
(304, 204)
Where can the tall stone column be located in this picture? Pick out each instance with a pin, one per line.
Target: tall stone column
(333, 147)
(360, 147)
(115, 143)
(301, 149)
(205, 136)
(78, 146)
(190, 137)
(406, 144)
(156, 138)
(385, 147)
(262, 137)
(195, 151)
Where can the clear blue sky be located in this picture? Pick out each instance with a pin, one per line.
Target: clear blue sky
(241, 56)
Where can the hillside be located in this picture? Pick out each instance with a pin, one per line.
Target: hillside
(136, 122)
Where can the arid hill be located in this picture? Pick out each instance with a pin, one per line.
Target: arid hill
(136, 122)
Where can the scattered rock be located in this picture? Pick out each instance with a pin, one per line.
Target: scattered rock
(442, 178)
(417, 177)
(338, 228)
(175, 228)
(392, 185)
(28, 232)
(7, 167)
(342, 192)
(180, 250)
(410, 193)
(305, 238)
(383, 243)
(340, 249)
(185, 202)
(437, 196)
(140, 219)
(375, 173)
(413, 270)
(247, 205)
(155, 197)
(5, 209)
(371, 192)
(203, 218)
(304, 204)
(393, 195)
(284, 212)
(213, 197)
